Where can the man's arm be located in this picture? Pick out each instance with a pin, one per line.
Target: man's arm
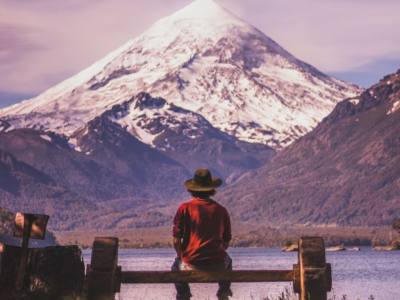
(178, 246)
(178, 230)
(227, 231)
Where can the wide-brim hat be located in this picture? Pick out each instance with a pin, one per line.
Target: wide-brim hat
(202, 181)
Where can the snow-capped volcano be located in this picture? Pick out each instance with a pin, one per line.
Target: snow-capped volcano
(203, 59)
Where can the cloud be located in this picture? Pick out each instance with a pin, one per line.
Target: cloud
(369, 74)
(16, 46)
(51, 40)
(11, 38)
(335, 36)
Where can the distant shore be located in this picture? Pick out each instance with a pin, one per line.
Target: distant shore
(244, 235)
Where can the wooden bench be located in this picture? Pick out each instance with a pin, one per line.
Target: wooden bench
(311, 276)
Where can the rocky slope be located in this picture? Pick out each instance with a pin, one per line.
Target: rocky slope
(110, 163)
(24, 188)
(346, 171)
(180, 134)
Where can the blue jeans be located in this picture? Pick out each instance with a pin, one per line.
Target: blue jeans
(183, 289)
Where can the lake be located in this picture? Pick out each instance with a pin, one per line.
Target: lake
(355, 274)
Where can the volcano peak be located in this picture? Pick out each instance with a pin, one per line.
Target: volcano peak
(206, 60)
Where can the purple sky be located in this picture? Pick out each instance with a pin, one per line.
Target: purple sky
(44, 41)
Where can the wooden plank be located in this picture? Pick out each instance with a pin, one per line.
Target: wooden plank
(104, 254)
(102, 273)
(314, 271)
(11, 258)
(55, 272)
(296, 278)
(27, 226)
(204, 277)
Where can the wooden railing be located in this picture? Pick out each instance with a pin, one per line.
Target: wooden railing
(311, 276)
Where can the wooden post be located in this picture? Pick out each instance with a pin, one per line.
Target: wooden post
(19, 284)
(27, 226)
(315, 274)
(103, 274)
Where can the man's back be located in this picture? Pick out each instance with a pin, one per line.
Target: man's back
(202, 231)
(204, 227)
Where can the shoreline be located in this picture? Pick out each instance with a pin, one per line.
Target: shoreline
(245, 235)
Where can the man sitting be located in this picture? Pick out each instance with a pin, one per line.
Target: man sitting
(202, 232)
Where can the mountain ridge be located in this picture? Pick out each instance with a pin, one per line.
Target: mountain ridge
(103, 163)
(344, 172)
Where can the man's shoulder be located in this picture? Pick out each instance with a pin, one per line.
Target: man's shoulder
(220, 206)
(195, 202)
(185, 204)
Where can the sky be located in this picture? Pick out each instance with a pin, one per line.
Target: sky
(43, 42)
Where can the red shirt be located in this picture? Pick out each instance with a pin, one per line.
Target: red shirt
(204, 226)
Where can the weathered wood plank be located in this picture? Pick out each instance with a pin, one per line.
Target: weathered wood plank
(102, 274)
(27, 227)
(53, 272)
(314, 272)
(204, 277)
(104, 253)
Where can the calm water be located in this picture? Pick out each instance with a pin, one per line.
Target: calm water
(356, 274)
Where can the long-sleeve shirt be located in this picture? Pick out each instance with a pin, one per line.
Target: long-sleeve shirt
(204, 227)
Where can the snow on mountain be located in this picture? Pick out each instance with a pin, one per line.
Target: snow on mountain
(395, 107)
(5, 126)
(203, 59)
(147, 118)
(182, 135)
